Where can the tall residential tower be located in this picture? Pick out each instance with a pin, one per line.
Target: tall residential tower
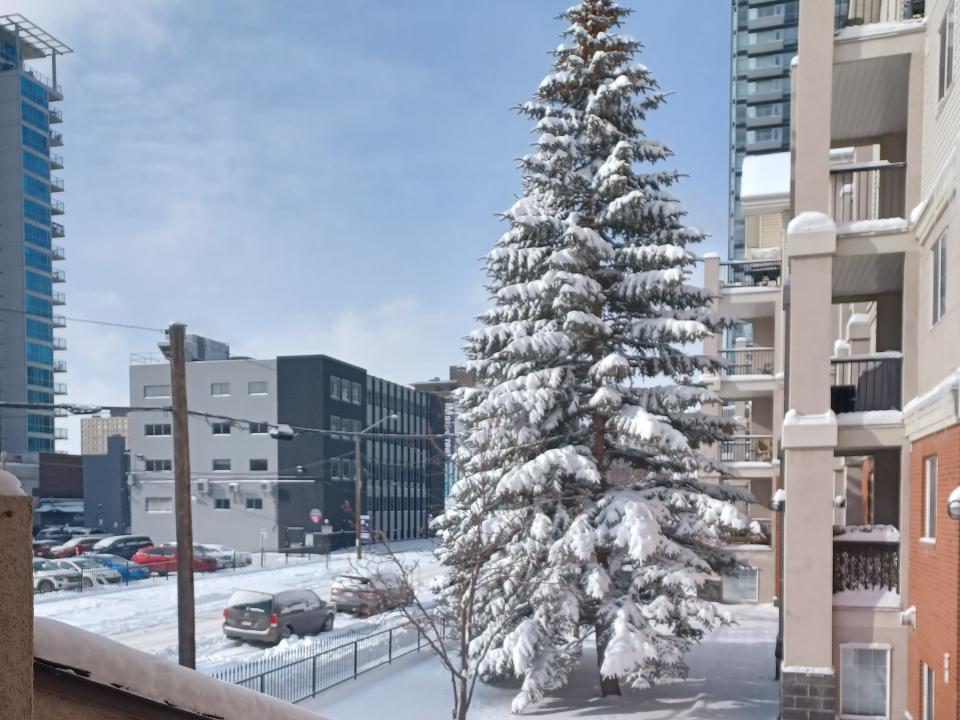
(28, 234)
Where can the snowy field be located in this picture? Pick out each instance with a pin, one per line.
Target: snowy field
(731, 678)
(145, 616)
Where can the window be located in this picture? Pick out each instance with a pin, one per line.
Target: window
(34, 116)
(36, 236)
(221, 388)
(930, 498)
(40, 424)
(40, 444)
(772, 85)
(929, 684)
(334, 387)
(787, 34)
(946, 49)
(33, 91)
(761, 135)
(741, 585)
(939, 285)
(38, 396)
(158, 505)
(38, 306)
(257, 387)
(258, 464)
(254, 503)
(221, 465)
(259, 428)
(36, 164)
(357, 390)
(157, 430)
(37, 283)
(39, 376)
(335, 467)
(221, 503)
(36, 188)
(345, 390)
(39, 330)
(864, 681)
(220, 428)
(39, 353)
(33, 140)
(158, 465)
(335, 423)
(156, 391)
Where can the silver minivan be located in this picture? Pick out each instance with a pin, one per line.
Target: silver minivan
(262, 617)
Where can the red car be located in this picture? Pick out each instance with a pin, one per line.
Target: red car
(75, 546)
(163, 560)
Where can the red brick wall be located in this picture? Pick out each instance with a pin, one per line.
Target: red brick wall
(935, 576)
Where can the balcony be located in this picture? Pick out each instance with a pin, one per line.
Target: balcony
(59, 343)
(55, 116)
(56, 184)
(750, 273)
(58, 276)
(56, 139)
(747, 449)
(868, 191)
(59, 298)
(748, 361)
(59, 366)
(848, 13)
(59, 388)
(58, 253)
(866, 383)
(59, 321)
(866, 565)
(59, 433)
(55, 91)
(56, 207)
(60, 412)
(56, 161)
(56, 229)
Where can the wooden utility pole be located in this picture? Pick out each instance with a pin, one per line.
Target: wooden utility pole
(186, 629)
(356, 490)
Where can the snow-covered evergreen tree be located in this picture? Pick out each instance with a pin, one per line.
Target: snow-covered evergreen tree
(582, 454)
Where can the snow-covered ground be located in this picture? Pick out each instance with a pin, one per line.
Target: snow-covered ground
(144, 616)
(731, 678)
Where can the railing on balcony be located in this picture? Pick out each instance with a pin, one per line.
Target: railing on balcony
(866, 558)
(57, 230)
(56, 184)
(59, 388)
(866, 382)
(56, 161)
(748, 361)
(59, 433)
(56, 139)
(868, 191)
(59, 343)
(750, 273)
(747, 448)
(43, 80)
(868, 12)
(58, 253)
(56, 207)
(59, 321)
(59, 366)
(55, 115)
(59, 298)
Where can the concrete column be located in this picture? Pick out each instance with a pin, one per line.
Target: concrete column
(914, 144)
(711, 283)
(16, 600)
(910, 322)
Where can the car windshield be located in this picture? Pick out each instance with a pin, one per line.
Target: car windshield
(106, 558)
(249, 600)
(85, 564)
(43, 565)
(352, 581)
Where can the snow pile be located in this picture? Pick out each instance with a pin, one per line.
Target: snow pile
(866, 533)
(795, 419)
(871, 417)
(811, 221)
(111, 664)
(866, 30)
(949, 384)
(872, 598)
(863, 227)
(9, 484)
(765, 175)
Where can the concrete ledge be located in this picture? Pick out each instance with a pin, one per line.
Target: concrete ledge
(811, 233)
(809, 431)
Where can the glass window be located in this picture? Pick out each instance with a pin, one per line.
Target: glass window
(33, 91)
(159, 504)
(39, 376)
(221, 465)
(258, 464)
(38, 396)
(220, 388)
(34, 140)
(158, 465)
(345, 390)
(863, 681)
(39, 353)
(257, 387)
(786, 34)
(929, 685)
(335, 424)
(765, 110)
(40, 444)
(221, 503)
(36, 212)
(259, 428)
(36, 164)
(40, 424)
(36, 188)
(357, 392)
(946, 48)
(220, 428)
(157, 430)
(770, 85)
(334, 387)
(254, 503)
(38, 306)
(741, 585)
(36, 236)
(930, 498)
(939, 295)
(33, 115)
(37, 283)
(156, 391)
(39, 330)
(36, 259)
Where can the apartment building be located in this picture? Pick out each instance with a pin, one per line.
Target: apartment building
(95, 431)
(250, 488)
(28, 204)
(851, 310)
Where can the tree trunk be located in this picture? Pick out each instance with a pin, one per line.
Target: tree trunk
(608, 686)
(463, 704)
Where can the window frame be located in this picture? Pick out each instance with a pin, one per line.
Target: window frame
(221, 428)
(214, 468)
(146, 388)
(886, 648)
(221, 386)
(930, 499)
(334, 387)
(265, 462)
(168, 510)
(253, 503)
(938, 281)
(166, 429)
(928, 680)
(221, 503)
(946, 36)
(254, 428)
(258, 383)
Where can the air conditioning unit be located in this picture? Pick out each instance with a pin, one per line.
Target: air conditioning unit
(202, 486)
(233, 487)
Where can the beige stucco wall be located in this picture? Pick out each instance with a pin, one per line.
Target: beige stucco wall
(16, 599)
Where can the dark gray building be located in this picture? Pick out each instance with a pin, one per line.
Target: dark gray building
(106, 496)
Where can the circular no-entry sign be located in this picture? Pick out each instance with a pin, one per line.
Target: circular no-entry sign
(316, 516)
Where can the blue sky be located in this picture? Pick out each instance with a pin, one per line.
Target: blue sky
(323, 176)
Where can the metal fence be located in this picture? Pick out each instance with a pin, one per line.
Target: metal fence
(866, 12)
(866, 383)
(869, 191)
(866, 566)
(301, 673)
(748, 361)
(750, 273)
(747, 448)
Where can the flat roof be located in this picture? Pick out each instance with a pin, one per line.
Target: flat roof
(39, 39)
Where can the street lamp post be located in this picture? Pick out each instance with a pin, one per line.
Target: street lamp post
(357, 477)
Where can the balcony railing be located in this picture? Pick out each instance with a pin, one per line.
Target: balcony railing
(59, 343)
(59, 366)
(59, 388)
(868, 191)
(55, 116)
(866, 382)
(59, 321)
(866, 558)
(750, 273)
(56, 161)
(56, 139)
(43, 80)
(57, 230)
(56, 184)
(59, 298)
(56, 207)
(867, 12)
(747, 448)
(58, 253)
(58, 276)
(748, 361)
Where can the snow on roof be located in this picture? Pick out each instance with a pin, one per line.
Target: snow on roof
(111, 664)
(9, 485)
(811, 221)
(709, 255)
(866, 533)
(765, 175)
(854, 32)
(949, 384)
(871, 417)
(859, 227)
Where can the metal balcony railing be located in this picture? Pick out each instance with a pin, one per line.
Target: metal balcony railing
(59, 388)
(56, 161)
(59, 321)
(866, 382)
(60, 412)
(55, 116)
(59, 433)
(59, 343)
(57, 230)
(868, 191)
(59, 298)
(748, 361)
(43, 80)
(56, 207)
(868, 12)
(747, 448)
(865, 564)
(750, 273)
(59, 366)
(56, 139)
(56, 184)
(58, 276)
(58, 253)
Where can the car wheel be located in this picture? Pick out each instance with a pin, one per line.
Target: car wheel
(328, 625)
(45, 586)
(88, 582)
(286, 632)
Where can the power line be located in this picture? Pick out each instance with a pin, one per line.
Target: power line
(90, 321)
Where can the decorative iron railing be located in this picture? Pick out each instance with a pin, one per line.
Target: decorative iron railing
(865, 564)
(748, 361)
(750, 273)
(747, 448)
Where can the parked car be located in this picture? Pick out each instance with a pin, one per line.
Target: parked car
(162, 559)
(127, 569)
(91, 572)
(364, 596)
(266, 618)
(48, 576)
(123, 545)
(41, 548)
(75, 546)
(204, 552)
(58, 534)
(227, 557)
